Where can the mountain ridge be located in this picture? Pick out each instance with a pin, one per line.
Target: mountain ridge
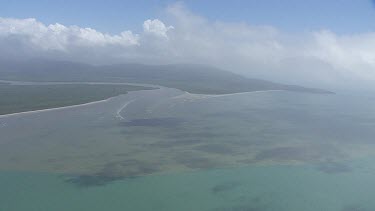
(194, 78)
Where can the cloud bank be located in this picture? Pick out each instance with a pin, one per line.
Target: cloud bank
(319, 57)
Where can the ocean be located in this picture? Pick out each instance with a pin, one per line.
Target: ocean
(166, 150)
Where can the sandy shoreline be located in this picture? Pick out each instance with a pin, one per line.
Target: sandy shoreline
(239, 93)
(207, 96)
(15, 83)
(118, 114)
(187, 95)
(53, 109)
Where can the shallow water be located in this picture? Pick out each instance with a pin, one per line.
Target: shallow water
(167, 150)
(271, 187)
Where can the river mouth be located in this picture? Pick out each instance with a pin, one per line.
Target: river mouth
(242, 149)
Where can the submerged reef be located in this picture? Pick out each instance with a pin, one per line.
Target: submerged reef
(114, 171)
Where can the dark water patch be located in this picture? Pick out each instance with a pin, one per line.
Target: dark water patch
(153, 122)
(247, 161)
(284, 153)
(298, 153)
(258, 141)
(226, 114)
(130, 133)
(331, 167)
(215, 148)
(183, 134)
(257, 199)
(194, 162)
(115, 171)
(121, 154)
(223, 187)
(91, 180)
(175, 143)
(129, 168)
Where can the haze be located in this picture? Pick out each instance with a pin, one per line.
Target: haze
(289, 52)
(164, 105)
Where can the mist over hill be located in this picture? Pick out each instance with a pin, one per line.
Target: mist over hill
(188, 77)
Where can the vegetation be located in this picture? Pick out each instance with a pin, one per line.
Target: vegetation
(192, 78)
(17, 98)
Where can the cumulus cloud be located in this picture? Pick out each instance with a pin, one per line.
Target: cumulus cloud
(320, 57)
(156, 27)
(60, 37)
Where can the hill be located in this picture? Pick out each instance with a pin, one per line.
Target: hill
(188, 77)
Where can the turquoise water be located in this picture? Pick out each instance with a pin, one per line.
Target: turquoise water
(276, 188)
(168, 150)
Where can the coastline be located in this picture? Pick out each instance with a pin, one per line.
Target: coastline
(193, 96)
(207, 96)
(27, 83)
(118, 114)
(54, 109)
(239, 93)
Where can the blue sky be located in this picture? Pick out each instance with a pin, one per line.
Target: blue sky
(314, 42)
(340, 16)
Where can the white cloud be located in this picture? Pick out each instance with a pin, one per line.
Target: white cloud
(156, 27)
(60, 37)
(320, 57)
(353, 54)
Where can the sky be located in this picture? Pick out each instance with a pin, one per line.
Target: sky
(114, 16)
(317, 42)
